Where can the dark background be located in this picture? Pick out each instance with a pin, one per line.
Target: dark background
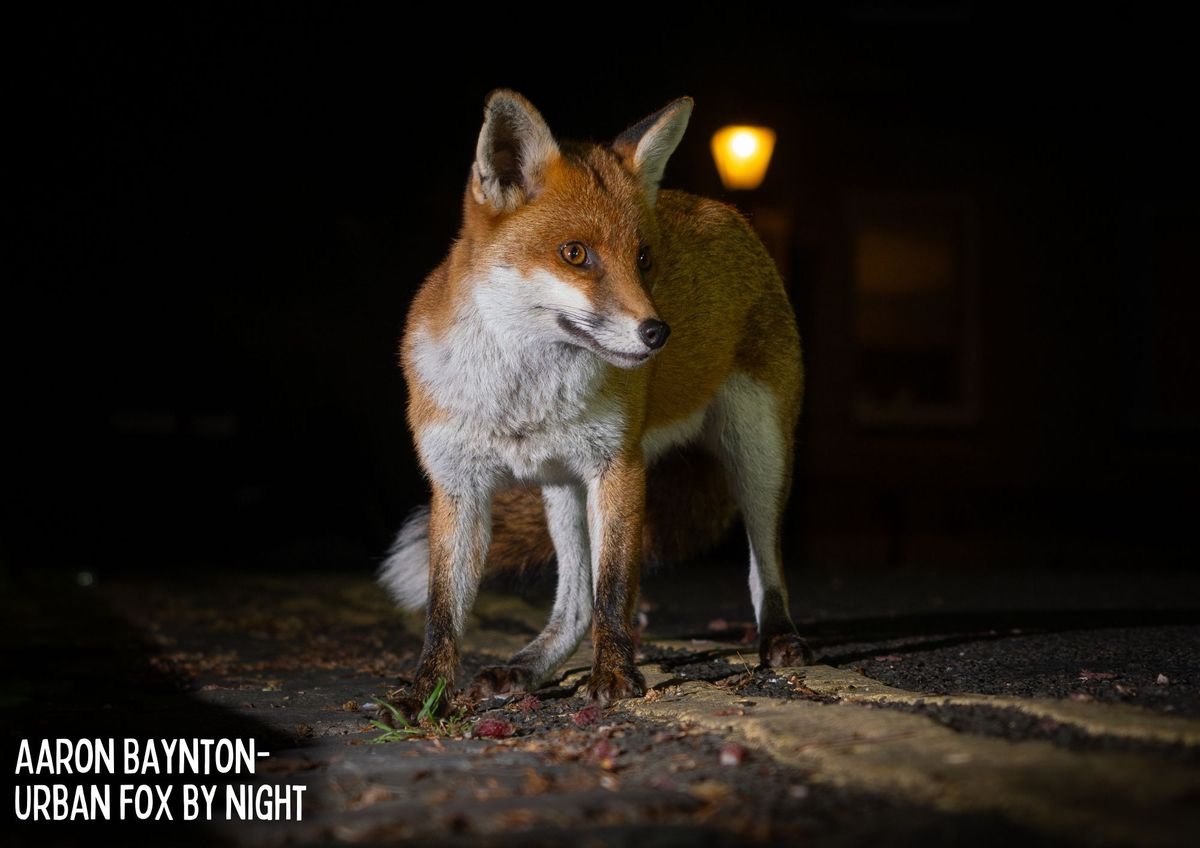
(217, 221)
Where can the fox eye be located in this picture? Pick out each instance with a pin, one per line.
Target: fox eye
(574, 253)
(644, 258)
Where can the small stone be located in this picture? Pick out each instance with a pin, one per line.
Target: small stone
(732, 754)
(1162, 680)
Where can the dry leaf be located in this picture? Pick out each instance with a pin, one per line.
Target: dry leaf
(588, 715)
(493, 728)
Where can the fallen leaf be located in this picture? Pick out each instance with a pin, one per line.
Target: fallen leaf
(372, 795)
(712, 791)
(588, 715)
(493, 728)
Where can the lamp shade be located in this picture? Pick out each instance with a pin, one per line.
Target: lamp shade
(742, 154)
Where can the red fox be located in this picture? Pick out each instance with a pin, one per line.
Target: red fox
(598, 372)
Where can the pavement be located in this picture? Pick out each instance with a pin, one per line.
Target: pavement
(943, 707)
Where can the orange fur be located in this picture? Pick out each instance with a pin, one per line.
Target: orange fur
(709, 278)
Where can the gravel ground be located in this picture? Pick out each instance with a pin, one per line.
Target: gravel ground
(1157, 667)
(295, 661)
(1037, 634)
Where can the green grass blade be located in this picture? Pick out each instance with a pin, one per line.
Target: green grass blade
(391, 708)
(430, 702)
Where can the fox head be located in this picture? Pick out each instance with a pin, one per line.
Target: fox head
(560, 239)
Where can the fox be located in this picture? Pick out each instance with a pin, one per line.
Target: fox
(601, 374)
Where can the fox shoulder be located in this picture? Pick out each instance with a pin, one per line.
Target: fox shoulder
(681, 214)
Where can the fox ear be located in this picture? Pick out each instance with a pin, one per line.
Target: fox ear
(647, 145)
(514, 147)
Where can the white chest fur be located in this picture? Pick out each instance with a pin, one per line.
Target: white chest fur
(518, 408)
(521, 405)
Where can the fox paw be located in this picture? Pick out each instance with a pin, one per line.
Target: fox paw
(411, 700)
(501, 680)
(785, 650)
(610, 683)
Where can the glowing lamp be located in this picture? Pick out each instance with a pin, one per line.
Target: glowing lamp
(742, 155)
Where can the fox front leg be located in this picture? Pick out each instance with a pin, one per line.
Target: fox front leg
(566, 517)
(460, 527)
(616, 506)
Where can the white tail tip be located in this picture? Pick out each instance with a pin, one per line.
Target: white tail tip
(405, 572)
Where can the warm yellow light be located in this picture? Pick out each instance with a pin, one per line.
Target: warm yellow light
(742, 155)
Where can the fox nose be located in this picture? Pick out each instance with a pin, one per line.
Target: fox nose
(654, 333)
